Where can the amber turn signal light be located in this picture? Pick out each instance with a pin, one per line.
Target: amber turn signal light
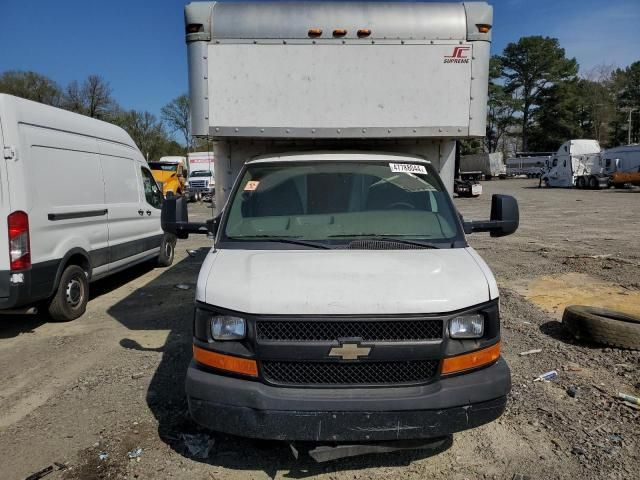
(468, 361)
(243, 366)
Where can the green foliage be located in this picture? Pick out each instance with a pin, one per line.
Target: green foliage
(530, 68)
(32, 86)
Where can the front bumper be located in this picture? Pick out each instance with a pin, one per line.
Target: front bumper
(252, 409)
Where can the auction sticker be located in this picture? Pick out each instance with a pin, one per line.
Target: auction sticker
(407, 168)
(251, 185)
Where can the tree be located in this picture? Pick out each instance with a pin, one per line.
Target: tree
(32, 86)
(177, 115)
(145, 130)
(626, 86)
(92, 98)
(531, 67)
(500, 108)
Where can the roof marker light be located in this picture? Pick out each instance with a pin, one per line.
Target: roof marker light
(483, 27)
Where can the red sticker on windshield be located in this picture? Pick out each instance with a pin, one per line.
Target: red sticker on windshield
(251, 185)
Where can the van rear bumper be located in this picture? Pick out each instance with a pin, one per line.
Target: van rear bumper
(253, 409)
(37, 284)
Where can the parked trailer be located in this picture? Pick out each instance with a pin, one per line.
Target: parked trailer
(341, 298)
(529, 166)
(482, 166)
(623, 165)
(577, 163)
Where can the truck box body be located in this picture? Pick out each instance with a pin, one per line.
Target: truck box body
(201, 181)
(340, 264)
(482, 165)
(255, 73)
(86, 194)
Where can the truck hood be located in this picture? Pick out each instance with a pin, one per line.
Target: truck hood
(162, 176)
(342, 282)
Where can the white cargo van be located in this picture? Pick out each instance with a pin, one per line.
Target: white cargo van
(340, 301)
(78, 202)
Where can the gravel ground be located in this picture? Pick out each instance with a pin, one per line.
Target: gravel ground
(112, 381)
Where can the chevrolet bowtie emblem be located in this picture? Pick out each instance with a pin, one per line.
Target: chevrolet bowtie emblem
(349, 351)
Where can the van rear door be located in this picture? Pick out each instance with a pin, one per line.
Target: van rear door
(4, 212)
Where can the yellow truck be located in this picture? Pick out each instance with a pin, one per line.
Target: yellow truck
(170, 173)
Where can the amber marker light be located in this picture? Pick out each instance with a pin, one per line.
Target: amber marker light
(364, 32)
(483, 27)
(315, 32)
(339, 32)
(468, 361)
(228, 363)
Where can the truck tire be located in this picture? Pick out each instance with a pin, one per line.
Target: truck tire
(167, 250)
(581, 182)
(593, 183)
(603, 326)
(71, 297)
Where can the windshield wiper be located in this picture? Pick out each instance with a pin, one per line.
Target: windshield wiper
(294, 241)
(371, 236)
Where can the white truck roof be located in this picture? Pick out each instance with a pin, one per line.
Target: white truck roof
(15, 110)
(338, 156)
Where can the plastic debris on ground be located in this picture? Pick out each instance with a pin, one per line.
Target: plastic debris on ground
(629, 398)
(103, 456)
(573, 391)
(183, 286)
(547, 376)
(192, 253)
(530, 352)
(199, 444)
(135, 453)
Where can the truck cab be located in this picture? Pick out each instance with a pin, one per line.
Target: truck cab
(170, 174)
(340, 301)
(577, 163)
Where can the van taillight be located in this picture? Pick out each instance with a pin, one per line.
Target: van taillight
(19, 251)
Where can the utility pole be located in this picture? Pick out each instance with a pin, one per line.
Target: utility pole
(630, 110)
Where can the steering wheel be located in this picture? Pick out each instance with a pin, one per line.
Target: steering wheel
(401, 205)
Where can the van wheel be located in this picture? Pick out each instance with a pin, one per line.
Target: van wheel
(72, 295)
(167, 250)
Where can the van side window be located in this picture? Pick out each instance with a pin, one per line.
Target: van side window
(151, 191)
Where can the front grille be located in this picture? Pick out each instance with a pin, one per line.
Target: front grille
(197, 183)
(361, 373)
(368, 331)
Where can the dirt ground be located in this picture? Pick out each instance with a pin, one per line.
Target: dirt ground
(112, 381)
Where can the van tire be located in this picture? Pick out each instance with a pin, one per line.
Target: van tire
(167, 250)
(603, 326)
(71, 297)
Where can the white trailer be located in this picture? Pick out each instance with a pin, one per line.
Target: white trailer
(577, 163)
(529, 166)
(333, 127)
(623, 165)
(482, 166)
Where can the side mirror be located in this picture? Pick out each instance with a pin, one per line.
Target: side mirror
(174, 217)
(505, 218)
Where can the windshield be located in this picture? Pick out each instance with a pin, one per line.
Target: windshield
(338, 202)
(165, 167)
(201, 173)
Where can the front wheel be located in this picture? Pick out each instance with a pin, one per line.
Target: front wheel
(72, 295)
(167, 250)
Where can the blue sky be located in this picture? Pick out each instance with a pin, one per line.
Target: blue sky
(138, 45)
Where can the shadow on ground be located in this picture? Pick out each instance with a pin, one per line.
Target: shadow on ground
(169, 308)
(15, 325)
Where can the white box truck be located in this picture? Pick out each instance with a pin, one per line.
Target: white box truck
(201, 183)
(78, 202)
(340, 301)
(577, 163)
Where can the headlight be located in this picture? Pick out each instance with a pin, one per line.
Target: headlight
(467, 326)
(226, 327)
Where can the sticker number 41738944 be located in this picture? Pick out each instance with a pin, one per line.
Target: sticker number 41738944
(408, 168)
